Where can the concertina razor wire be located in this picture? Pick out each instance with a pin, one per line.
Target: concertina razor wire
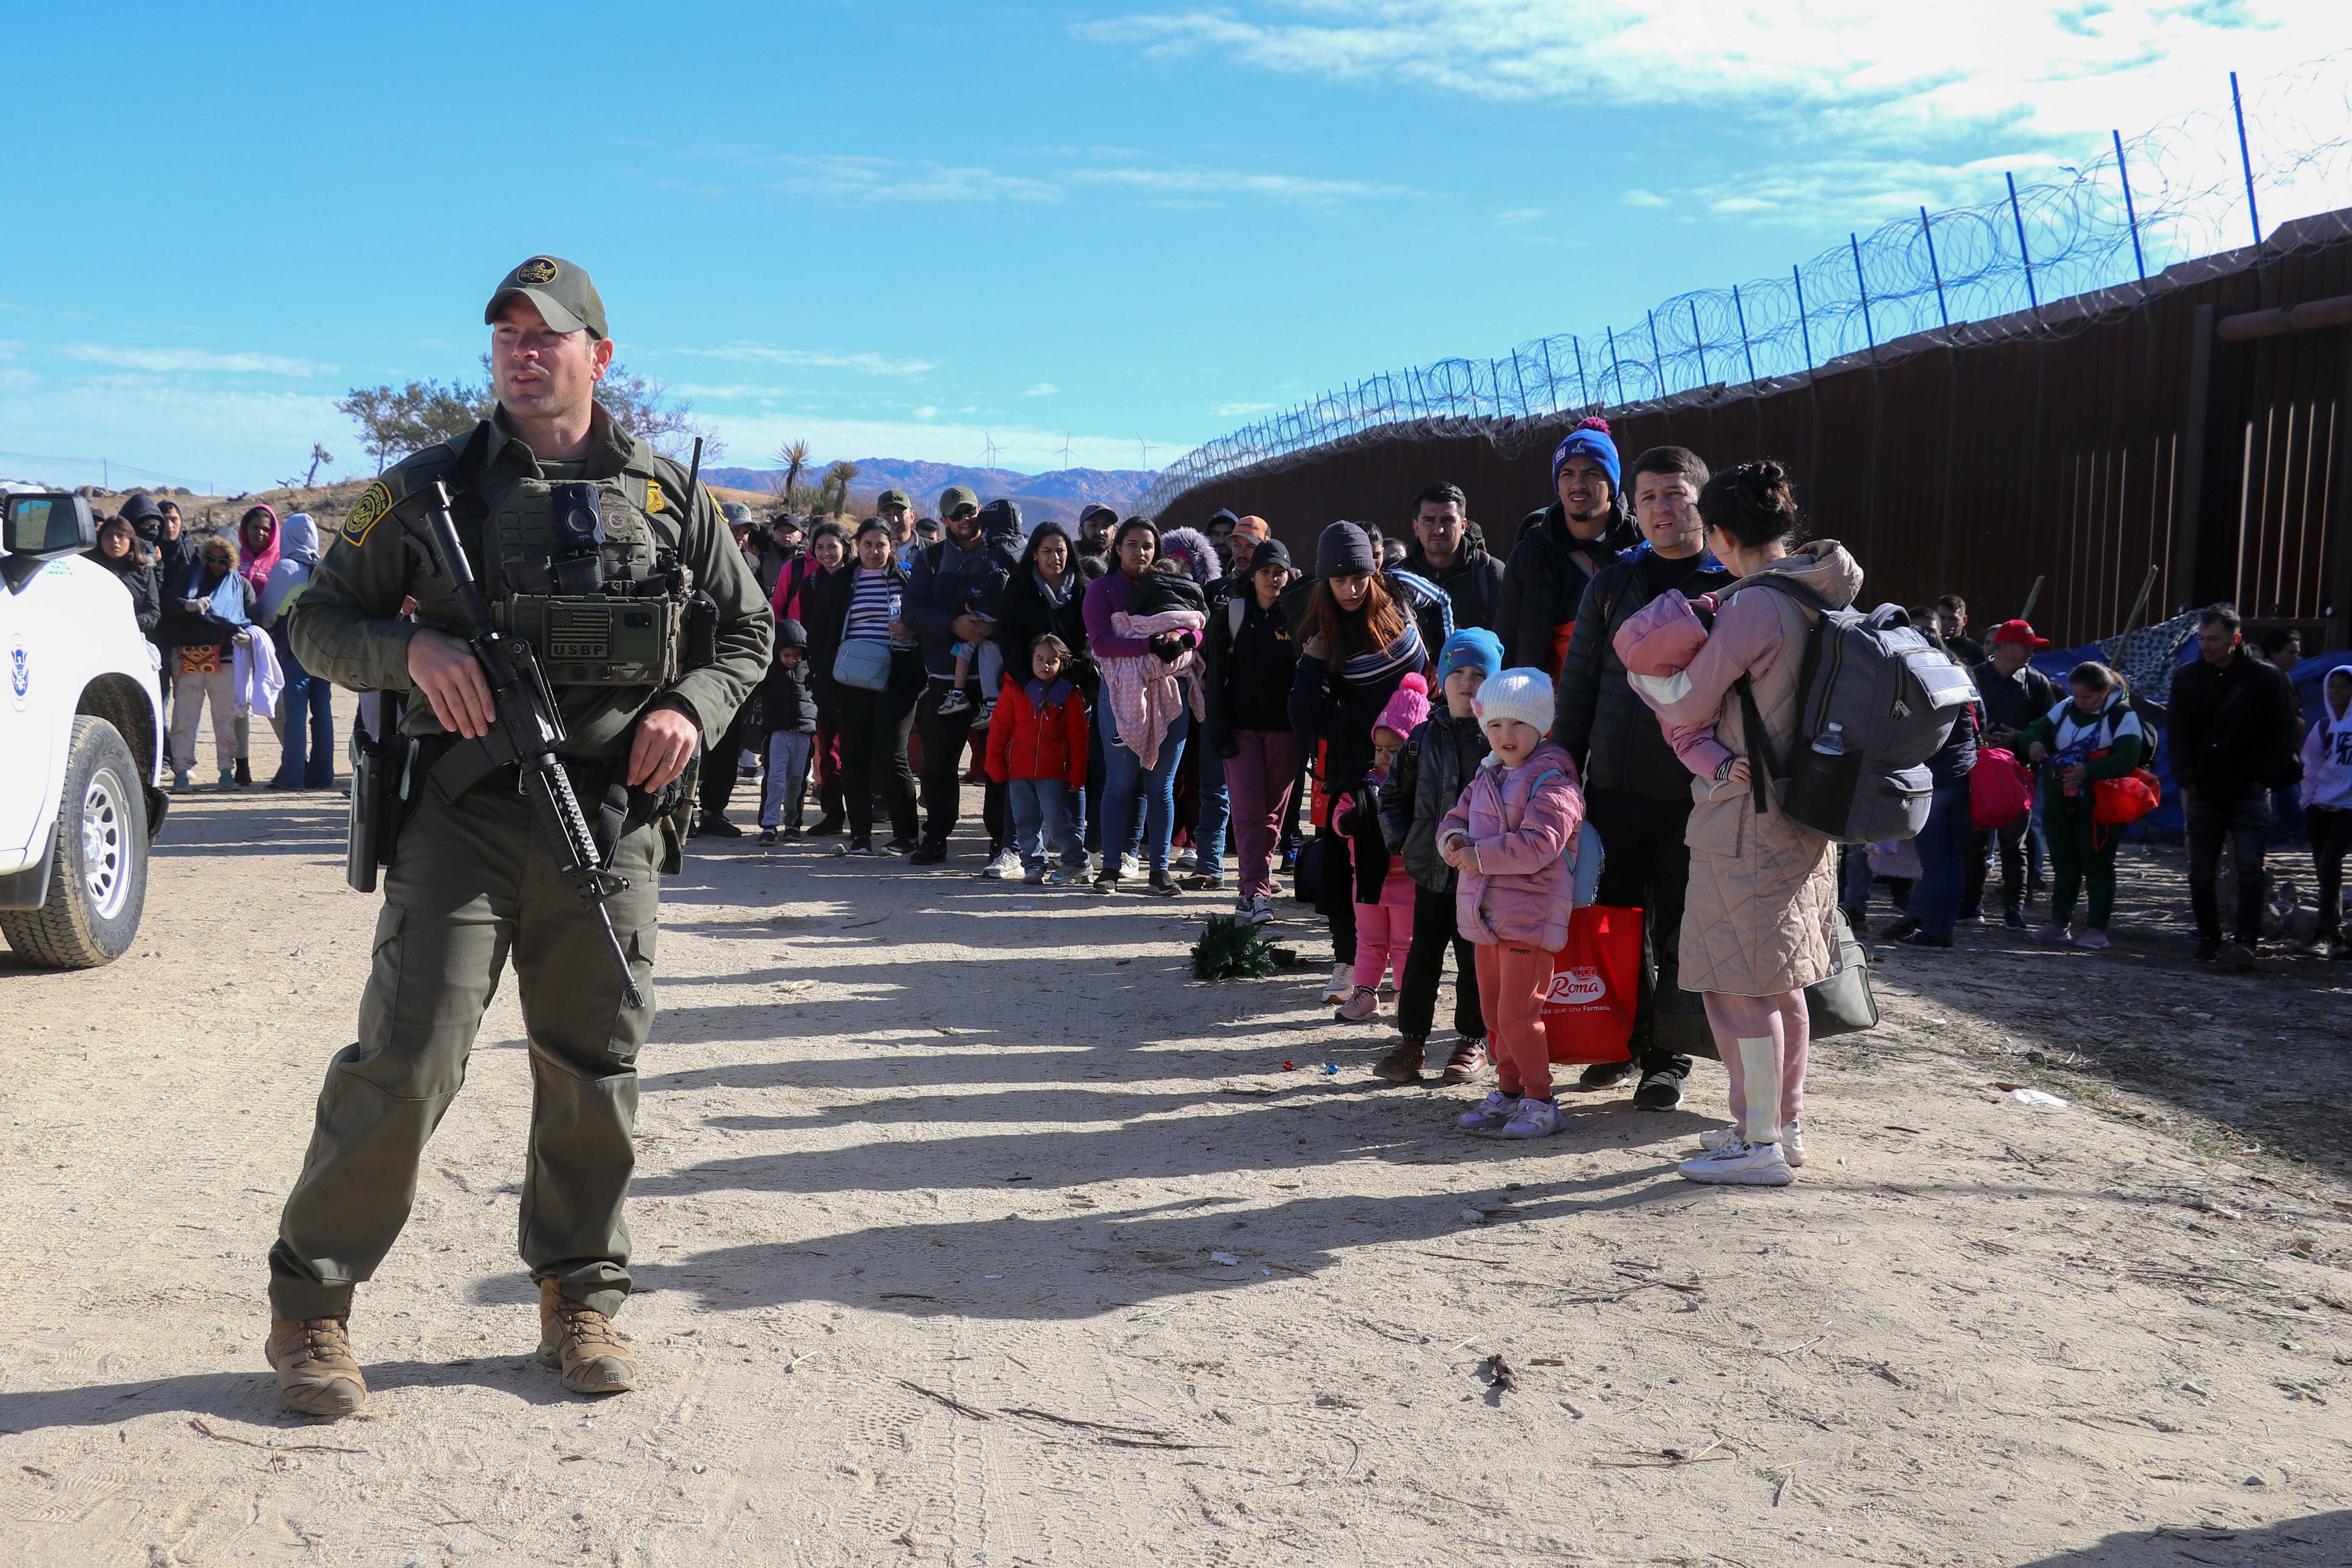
(2176, 194)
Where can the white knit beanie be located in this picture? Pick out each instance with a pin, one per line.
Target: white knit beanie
(1524, 694)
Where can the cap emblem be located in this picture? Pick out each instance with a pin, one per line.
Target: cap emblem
(537, 270)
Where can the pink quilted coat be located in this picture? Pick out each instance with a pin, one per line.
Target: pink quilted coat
(1520, 822)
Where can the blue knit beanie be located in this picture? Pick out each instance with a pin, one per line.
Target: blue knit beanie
(1589, 440)
(1472, 648)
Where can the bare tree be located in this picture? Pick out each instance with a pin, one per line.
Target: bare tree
(395, 421)
(319, 454)
(794, 456)
(643, 407)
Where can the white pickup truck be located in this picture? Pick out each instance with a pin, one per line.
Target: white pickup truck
(81, 741)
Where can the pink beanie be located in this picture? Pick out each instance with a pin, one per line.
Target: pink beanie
(1408, 710)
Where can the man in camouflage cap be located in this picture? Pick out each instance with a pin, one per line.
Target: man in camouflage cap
(472, 884)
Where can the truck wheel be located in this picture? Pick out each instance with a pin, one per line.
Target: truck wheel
(97, 887)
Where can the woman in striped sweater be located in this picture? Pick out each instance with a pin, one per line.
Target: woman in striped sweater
(862, 606)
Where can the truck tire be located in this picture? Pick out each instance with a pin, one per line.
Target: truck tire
(97, 887)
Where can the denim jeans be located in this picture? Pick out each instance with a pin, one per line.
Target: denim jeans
(1208, 835)
(1041, 822)
(2245, 824)
(784, 789)
(307, 708)
(1136, 803)
(1090, 803)
(1943, 861)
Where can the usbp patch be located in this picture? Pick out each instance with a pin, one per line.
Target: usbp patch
(366, 512)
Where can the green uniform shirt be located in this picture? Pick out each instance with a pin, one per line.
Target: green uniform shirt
(346, 627)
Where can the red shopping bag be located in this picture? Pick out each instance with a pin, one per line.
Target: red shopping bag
(2000, 789)
(1587, 1015)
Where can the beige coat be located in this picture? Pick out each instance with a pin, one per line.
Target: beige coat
(1760, 917)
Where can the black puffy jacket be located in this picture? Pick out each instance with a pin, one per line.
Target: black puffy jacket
(1430, 772)
(1026, 614)
(1544, 581)
(1596, 718)
(1474, 582)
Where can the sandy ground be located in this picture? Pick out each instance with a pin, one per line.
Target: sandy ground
(973, 1231)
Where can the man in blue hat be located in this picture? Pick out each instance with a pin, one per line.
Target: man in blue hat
(1562, 547)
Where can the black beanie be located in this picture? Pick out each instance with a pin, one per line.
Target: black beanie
(1269, 552)
(1344, 551)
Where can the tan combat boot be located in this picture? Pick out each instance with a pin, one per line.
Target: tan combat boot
(582, 1342)
(316, 1373)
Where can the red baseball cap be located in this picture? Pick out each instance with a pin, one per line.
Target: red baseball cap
(2017, 632)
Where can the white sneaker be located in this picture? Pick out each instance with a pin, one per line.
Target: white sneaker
(1005, 864)
(1130, 867)
(1246, 912)
(1792, 1139)
(1182, 858)
(1265, 908)
(1736, 1162)
(1492, 1114)
(1534, 1119)
(1343, 984)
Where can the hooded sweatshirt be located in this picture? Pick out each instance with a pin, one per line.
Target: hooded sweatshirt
(2327, 754)
(257, 561)
(284, 583)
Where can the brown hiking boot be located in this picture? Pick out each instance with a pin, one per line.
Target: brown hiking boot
(582, 1342)
(1401, 1065)
(316, 1374)
(1468, 1061)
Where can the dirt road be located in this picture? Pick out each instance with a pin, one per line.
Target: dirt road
(970, 1231)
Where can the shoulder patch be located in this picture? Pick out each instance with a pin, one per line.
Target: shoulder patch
(367, 512)
(653, 495)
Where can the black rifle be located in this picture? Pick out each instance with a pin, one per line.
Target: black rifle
(525, 729)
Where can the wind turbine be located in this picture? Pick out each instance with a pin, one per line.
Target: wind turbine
(988, 452)
(1066, 451)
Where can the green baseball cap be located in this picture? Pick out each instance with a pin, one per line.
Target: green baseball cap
(889, 498)
(955, 496)
(561, 290)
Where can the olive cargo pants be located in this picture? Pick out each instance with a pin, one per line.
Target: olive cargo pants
(470, 885)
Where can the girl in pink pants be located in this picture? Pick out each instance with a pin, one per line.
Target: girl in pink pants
(1383, 927)
(1509, 837)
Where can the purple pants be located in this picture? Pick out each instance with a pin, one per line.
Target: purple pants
(1258, 782)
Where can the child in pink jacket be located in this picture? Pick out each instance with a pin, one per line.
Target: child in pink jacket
(1510, 837)
(1383, 928)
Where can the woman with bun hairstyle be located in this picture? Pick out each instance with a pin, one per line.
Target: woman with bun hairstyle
(1761, 922)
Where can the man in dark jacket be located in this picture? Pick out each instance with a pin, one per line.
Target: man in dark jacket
(1446, 548)
(2014, 695)
(1637, 793)
(2232, 735)
(1562, 548)
(938, 590)
(1427, 778)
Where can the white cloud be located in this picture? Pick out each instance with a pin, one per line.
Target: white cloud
(1043, 389)
(1240, 410)
(211, 440)
(1841, 69)
(827, 359)
(168, 360)
(1228, 182)
(849, 177)
(1640, 198)
(1518, 216)
(928, 411)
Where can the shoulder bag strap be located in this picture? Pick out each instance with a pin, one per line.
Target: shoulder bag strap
(1764, 765)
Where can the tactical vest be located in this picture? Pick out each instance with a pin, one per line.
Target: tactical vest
(599, 611)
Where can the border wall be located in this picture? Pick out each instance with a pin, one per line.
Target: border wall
(2195, 423)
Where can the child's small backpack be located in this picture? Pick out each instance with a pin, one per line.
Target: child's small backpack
(1874, 700)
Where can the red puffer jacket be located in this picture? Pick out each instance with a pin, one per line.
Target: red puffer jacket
(1030, 743)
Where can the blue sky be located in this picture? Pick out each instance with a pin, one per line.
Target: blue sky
(909, 230)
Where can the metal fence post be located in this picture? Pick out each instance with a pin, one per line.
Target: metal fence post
(1583, 387)
(1551, 382)
(1934, 270)
(2018, 215)
(1525, 412)
(1616, 367)
(2123, 172)
(1803, 329)
(1869, 335)
(2245, 161)
(1741, 311)
(1698, 339)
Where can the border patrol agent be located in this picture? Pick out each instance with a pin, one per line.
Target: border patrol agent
(471, 884)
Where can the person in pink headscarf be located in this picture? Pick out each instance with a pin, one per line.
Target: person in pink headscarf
(256, 537)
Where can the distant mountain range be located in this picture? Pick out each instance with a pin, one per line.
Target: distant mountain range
(1058, 495)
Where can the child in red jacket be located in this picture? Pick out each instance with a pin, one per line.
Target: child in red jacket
(1037, 750)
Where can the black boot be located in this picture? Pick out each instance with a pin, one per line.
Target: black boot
(244, 772)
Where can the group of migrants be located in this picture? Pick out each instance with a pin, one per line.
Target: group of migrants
(1419, 729)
